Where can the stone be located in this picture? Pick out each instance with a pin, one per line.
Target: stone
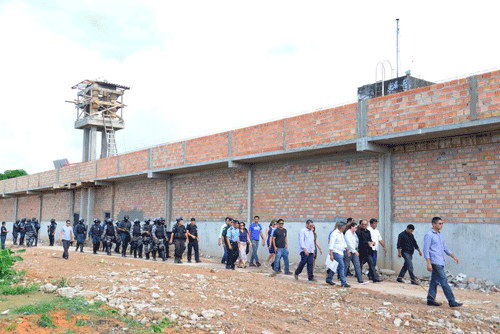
(194, 317)
(397, 322)
(386, 303)
(184, 314)
(48, 288)
(387, 272)
(498, 305)
(473, 286)
(494, 319)
(87, 294)
(267, 332)
(404, 315)
(460, 278)
(471, 279)
(5, 312)
(456, 314)
(208, 314)
(66, 292)
(407, 323)
(155, 295)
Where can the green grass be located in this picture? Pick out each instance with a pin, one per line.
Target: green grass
(82, 322)
(62, 283)
(18, 290)
(159, 327)
(46, 321)
(11, 327)
(35, 309)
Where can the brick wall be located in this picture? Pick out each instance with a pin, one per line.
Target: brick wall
(56, 205)
(210, 195)
(78, 198)
(9, 185)
(48, 178)
(322, 127)
(167, 155)
(103, 201)
(207, 148)
(69, 174)
(430, 106)
(488, 90)
(134, 162)
(34, 181)
(22, 182)
(459, 184)
(140, 199)
(266, 137)
(107, 167)
(7, 206)
(87, 171)
(317, 189)
(29, 207)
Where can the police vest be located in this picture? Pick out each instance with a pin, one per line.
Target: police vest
(95, 230)
(52, 227)
(146, 228)
(110, 230)
(136, 230)
(160, 231)
(80, 229)
(179, 232)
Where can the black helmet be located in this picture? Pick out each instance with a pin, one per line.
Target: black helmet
(109, 221)
(147, 220)
(28, 220)
(81, 220)
(126, 217)
(33, 219)
(18, 221)
(52, 220)
(96, 220)
(23, 220)
(137, 221)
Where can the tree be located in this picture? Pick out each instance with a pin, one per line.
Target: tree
(10, 174)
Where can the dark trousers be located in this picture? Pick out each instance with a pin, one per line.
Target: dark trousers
(369, 258)
(193, 245)
(408, 266)
(309, 260)
(96, 246)
(14, 238)
(65, 247)
(36, 239)
(3, 238)
(125, 241)
(51, 240)
(370, 271)
(21, 238)
(224, 257)
(232, 255)
(180, 245)
(79, 245)
(167, 250)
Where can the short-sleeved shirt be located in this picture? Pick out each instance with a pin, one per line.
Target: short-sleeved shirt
(4, 231)
(376, 237)
(66, 232)
(243, 236)
(280, 237)
(255, 231)
(233, 234)
(193, 230)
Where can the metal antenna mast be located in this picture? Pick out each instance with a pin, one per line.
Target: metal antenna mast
(397, 48)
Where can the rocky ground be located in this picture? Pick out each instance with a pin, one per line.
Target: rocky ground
(206, 298)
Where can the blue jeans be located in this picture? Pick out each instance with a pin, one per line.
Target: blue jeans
(3, 241)
(374, 256)
(357, 266)
(341, 269)
(309, 259)
(408, 266)
(438, 276)
(281, 252)
(255, 246)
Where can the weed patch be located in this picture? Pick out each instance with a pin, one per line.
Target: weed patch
(35, 309)
(18, 290)
(46, 321)
(160, 326)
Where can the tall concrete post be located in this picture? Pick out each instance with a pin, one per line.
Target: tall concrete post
(104, 145)
(40, 209)
(385, 210)
(90, 204)
(86, 147)
(250, 195)
(93, 143)
(84, 204)
(168, 201)
(71, 205)
(16, 209)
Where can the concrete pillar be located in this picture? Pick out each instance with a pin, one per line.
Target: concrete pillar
(385, 210)
(250, 195)
(90, 205)
(16, 209)
(113, 194)
(92, 143)
(104, 145)
(168, 201)
(71, 205)
(40, 209)
(86, 148)
(84, 204)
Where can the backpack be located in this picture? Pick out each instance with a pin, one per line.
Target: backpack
(80, 229)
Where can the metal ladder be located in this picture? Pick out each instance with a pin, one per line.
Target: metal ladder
(110, 136)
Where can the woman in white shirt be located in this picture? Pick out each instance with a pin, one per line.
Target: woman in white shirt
(352, 242)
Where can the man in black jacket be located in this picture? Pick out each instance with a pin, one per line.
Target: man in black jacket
(364, 248)
(406, 246)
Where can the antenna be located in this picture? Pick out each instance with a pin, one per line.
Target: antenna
(397, 48)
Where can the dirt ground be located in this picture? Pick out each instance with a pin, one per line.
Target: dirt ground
(205, 297)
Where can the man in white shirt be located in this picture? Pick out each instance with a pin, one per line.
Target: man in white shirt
(337, 248)
(306, 247)
(376, 238)
(352, 242)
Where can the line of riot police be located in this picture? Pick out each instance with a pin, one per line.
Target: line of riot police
(26, 229)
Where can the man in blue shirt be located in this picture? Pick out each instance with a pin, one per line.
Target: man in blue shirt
(233, 235)
(306, 247)
(254, 232)
(434, 249)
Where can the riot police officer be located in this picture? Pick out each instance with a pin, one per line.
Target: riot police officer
(95, 233)
(15, 231)
(124, 229)
(109, 235)
(159, 235)
(178, 237)
(117, 240)
(103, 242)
(36, 226)
(136, 243)
(22, 231)
(81, 233)
(29, 229)
(51, 231)
(146, 237)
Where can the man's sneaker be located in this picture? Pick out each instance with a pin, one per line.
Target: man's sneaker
(330, 282)
(189, 261)
(433, 303)
(258, 264)
(377, 280)
(455, 304)
(346, 285)
(313, 280)
(251, 265)
(289, 273)
(415, 283)
(363, 283)
(400, 280)
(296, 277)
(198, 261)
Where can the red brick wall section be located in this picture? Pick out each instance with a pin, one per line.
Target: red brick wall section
(107, 167)
(461, 185)
(69, 174)
(322, 127)
(22, 182)
(266, 137)
(213, 147)
(168, 155)
(7, 209)
(2, 185)
(210, 195)
(87, 171)
(34, 181)
(140, 199)
(430, 106)
(134, 162)
(9, 185)
(103, 197)
(319, 190)
(56, 205)
(488, 90)
(48, 178)
(29, 207)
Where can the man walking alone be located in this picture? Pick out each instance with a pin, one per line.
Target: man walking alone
(406, 246)
(307, 247)
(66, 236)
(254, 232)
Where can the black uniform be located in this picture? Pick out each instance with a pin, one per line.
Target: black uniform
(22, 231)
(159, 235)
(193, 243)
(146, 237)
(51, 231)
(136, 243)
(179, 232)
(15, 231)
(109, 235)
(29, 229)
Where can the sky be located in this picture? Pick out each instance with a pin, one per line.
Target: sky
(202, 67)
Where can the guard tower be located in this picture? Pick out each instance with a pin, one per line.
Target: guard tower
(99, 107)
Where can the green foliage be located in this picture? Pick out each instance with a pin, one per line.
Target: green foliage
(18, 290)
(11, 327)
(62, 283)
(7, 260)
(82, 322)
(160, 326)
(10, 174)
(35, 309)
(46, 321)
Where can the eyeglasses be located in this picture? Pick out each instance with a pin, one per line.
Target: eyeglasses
(439, 223)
